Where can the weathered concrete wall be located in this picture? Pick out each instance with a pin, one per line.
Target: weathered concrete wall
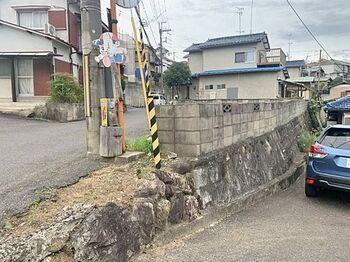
(199, 127)
(65, 112)
(134, 95)
(225, 175)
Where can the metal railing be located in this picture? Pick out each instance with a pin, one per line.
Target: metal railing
(274, 56)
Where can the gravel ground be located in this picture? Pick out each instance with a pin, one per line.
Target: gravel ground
(38, 154)
(285, 227)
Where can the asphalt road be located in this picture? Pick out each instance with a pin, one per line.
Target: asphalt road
(285, 227)
(37, 154)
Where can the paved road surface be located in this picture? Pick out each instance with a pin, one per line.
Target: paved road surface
(36, 154)
(285, 227)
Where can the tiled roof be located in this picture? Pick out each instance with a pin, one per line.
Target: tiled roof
(229, 41)
(340, 104)
(295, 63)
(239, 71)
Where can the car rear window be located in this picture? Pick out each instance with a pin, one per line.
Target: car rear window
(337, 138)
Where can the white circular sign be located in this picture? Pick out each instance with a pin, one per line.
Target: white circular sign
(128, 3)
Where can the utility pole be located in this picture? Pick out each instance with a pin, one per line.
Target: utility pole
(93, 74)
(251, 16)
(289, 46)
(118, 87)
(161, 31)
(239, 11)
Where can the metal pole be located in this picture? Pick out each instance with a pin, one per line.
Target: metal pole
(161, 56)
(93, 74)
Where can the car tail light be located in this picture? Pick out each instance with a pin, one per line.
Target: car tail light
(317, 151)
(310, 181)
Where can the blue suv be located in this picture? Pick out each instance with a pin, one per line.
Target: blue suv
(329, 161)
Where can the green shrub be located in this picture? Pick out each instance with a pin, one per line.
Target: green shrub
(142, 144)
(306, 140)
(314, 108)
(64, 89)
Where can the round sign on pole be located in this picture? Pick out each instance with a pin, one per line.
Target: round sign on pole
(128, 3)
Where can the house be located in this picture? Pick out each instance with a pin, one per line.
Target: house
(337, 91)
(296, 68)
(338, 112)
(40, 38)
(331, 68)
(237, 67)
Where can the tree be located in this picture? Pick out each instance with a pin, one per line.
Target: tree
(178, 75)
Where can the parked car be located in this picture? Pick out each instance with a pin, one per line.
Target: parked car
(329, 161)
(159, 99)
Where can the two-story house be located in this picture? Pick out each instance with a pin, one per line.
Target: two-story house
(38, 38)
(237, 67)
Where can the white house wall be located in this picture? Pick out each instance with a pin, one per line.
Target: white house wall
(15, 40)
(250, 85)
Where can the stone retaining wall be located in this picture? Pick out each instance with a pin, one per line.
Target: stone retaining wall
(199, 127)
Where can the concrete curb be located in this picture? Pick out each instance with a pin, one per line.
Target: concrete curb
(215, 215)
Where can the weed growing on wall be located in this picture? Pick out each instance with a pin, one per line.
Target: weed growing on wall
(314, 108)
(65, 89)
(306, 140)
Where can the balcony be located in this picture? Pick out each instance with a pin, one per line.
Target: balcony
(273, 57)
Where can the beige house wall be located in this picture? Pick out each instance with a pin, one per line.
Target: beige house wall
(222, 58)
(336, 91)
(5, 88)
(294, 72)
(250, 85)
(195, 62)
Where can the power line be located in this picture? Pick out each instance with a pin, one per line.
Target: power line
(312, 34)
(148, 22)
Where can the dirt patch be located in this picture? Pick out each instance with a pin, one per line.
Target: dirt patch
(111, 184)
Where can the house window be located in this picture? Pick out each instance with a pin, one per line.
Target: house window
(33, 19)
(222, 86)
(209, 87)
(245, 57)
(25, 77)
(5, 68)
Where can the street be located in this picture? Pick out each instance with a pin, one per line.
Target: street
(38, 154)
(285, 227)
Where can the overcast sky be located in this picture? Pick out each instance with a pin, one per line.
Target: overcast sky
(195, 21)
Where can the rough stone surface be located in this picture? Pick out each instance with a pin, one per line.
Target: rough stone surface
(42, 244)
(162, 210)
(174, 182)
(143, 212)
(154, 188)
(222, 176)
(191, 207)
(177, 208)
(107, 234)
(65, 112)
(181, 166)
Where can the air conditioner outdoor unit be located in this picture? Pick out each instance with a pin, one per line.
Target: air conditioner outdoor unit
(50, 29)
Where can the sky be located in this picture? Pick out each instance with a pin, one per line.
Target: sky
(193, 21)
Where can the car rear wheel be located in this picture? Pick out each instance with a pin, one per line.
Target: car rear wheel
(310, 191)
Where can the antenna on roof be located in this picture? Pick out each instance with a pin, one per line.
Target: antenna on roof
(239, 11)
(251, 16)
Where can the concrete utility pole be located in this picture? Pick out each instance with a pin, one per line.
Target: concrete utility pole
(161, 31)
(289, 46)
(239, 11)
(93, 74)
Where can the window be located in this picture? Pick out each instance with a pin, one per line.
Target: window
(245, 57)
(25, 77)
(222, 86)
(5, 68)
(209, 87)
(33, 19)
(240, 57)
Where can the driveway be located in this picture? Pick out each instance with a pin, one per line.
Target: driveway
(285, 227)
(37, 154)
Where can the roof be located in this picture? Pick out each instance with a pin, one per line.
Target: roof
(330, 62)
(295, 63)
(342, 104)
(230, 41)
(239, 71)
(304, 79)
(48, 36)
(43, 54)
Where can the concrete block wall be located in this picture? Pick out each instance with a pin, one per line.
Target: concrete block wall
(199, 127)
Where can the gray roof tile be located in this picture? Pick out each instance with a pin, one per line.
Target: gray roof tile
(228, 41)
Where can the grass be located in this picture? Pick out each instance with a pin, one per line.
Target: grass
(141, 144)
(306, 140)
